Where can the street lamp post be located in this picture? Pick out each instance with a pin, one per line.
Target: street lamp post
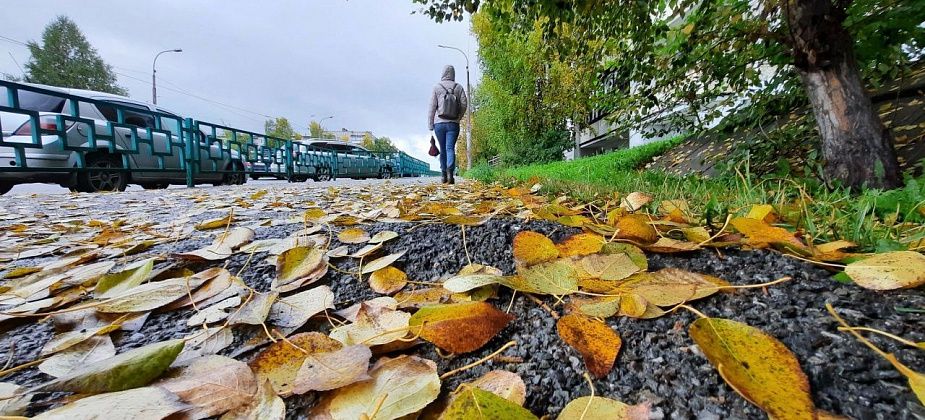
(468, 111)
(154, 74)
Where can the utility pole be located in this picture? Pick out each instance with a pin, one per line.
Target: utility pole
(154, 74)
(468, 111)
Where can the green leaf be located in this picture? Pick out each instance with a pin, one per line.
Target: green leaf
(112, 284)
(551, 278)
(476, 404)
(132, 369)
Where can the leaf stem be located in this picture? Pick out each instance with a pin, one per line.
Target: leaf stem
(883, 333)
(480, 361)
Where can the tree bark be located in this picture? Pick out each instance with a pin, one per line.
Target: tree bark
(857, 147)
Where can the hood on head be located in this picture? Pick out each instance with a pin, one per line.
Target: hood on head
(449, 73)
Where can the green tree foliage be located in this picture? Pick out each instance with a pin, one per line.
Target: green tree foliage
(65, 58)
(280, 129)
(526, 100)
(315, 129)
(378, 144)
(682, 61)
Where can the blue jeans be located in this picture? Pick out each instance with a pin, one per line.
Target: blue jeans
(447, 133)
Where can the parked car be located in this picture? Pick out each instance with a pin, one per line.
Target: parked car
(276, 168)
(103, 171)
(356, 162)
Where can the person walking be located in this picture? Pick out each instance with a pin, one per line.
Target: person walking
(448, 103)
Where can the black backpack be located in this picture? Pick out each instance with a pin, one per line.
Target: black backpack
(448, 107)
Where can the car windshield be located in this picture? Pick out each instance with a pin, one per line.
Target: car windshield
(40, 102)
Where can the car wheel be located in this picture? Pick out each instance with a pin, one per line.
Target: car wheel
(103, 173)
(5, 187)
(236, 177)
(323, 174)
(385, 173)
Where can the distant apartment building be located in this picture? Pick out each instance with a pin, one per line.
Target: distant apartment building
(350, 136)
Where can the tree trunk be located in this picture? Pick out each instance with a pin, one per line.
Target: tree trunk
(857, 147)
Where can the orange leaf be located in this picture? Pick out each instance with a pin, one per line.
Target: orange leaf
(597, 342)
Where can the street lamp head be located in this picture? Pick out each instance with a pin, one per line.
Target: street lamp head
(178, 50)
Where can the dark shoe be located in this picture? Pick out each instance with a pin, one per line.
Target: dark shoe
(444, 179)
(451, 179)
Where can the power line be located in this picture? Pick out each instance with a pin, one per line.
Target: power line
(180, 91)
(14, 41)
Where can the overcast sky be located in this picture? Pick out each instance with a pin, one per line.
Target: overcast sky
(369, 63)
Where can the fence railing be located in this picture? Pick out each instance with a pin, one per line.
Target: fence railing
(50, 135)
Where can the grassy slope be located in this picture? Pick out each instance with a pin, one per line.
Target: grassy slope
(872, 219)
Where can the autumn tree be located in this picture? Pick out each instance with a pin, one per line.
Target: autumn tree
(700, 56)
(525, 100)
(65, 58)
(378, 144)
(315, 129)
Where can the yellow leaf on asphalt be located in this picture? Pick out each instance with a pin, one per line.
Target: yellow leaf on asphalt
(636, 227)
(888, 271)
(353, 236)
(756, 365)
(300, 265)
(599, 408)
(581, 244)
(387, 280)
(384, 236)
(215, 223)
(381, 263)
(609, 266)
(531, 248)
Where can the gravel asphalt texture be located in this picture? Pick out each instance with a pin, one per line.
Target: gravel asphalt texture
(658, 363)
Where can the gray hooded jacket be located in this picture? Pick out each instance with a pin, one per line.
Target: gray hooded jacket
(448, 81)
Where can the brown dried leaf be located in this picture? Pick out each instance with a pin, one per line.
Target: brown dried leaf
(323, 371)
(212, 385)
(280, 362)
(399, 386)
